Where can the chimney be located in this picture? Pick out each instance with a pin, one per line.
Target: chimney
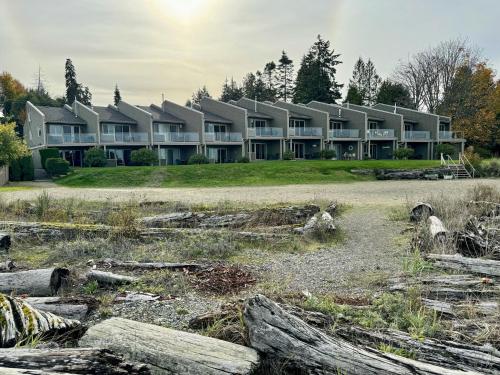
(255, 103)
(395, 107)
(340, 112)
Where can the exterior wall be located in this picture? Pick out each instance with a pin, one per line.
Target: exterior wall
(391, 120)
(143, 118)
(273, 147)
(193, 118)
(280, 115)
(357, 119)
(4, 175)
(236, 114)
(90, 117)
(312, 147)
(421, 150)
(183, 153)
(342, 148)
(385, 149)
(319, 119)
(233, 151)
(35, 121)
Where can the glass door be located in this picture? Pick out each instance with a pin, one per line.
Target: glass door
(299, 150)
(373, 151)
(260, 151)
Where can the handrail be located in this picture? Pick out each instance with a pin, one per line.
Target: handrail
(464, 159)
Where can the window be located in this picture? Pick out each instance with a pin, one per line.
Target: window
(297, 124)
(334, 125)
(257, 123)
(373, 125)
(408, 127)
(443, 127)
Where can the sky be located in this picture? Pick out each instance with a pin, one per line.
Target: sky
(172, 47)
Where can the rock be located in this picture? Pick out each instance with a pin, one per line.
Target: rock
(320, 225)
(332, 208)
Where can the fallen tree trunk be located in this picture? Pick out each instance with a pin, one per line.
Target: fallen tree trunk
(71, 361)
(486, 267)
(39, 283)
(437, 229)
(108, 278)
(20, 321)
(444, 353)
(484, 308)
(4, 241)
(169, 351)
(421, 211)
(59, 306)
(152, 266)
(281, 336)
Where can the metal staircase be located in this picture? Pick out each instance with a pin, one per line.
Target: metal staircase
(461, 169)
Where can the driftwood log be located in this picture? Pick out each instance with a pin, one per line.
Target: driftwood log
(39, 283)
(484, 308)
(59, 306)
(485, 267)
(5, 241)
(453, 355)
(168, 351)
(109, 278)
(8, 265)
(20, 321)
(70, 361)
(151, 266)
(437, 229)
(479, 238)
(281, 336)
(421, 211)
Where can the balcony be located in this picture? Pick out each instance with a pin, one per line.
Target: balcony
(265, 132)
(343, 133)
(181, 137)
(381, 133)
(417, 135)
(62, 139)
(305, 132)
(448, 135)
(223, 137)
(131, 137)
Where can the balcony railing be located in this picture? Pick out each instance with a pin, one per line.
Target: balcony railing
(223, 137)
(305, 132)
(180, 137)
(417, 135)
(131, 137)
(381, 133)
(343, 133)
(265, 132)
(450, 135)
(53, 139)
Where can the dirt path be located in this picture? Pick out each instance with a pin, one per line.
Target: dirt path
(359, 193)
(371, 250)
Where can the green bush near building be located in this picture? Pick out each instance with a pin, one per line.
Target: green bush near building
(22, 169)
(144, 156)
(198, 159)
(56, 167)
(94, 157)
(404, 153)
(48, 153)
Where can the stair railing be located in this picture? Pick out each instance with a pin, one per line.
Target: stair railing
(463, 159)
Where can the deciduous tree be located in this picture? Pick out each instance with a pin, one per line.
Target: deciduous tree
(12, 147)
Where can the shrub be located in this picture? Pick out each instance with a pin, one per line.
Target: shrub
(446, 149)
(243, 159)
(491, 169)
(95, 157)
(56, 166)
(403, 153)
(47, 154)
(327, 154)
(15, 172)
(198, 159)
(144, 156)
(288, 155)
(473, 157)
(27, 168)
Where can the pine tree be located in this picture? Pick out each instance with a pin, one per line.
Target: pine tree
(269, 81)
(284, 77)
(117, 97)
(353, 96)
(394, 93)
(71, 83)
(198, 95)
(230, 91)
(372, 83)
(357, 80)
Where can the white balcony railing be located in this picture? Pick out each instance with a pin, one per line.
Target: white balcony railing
(343, 133)
(265, 132)
(417, 135)
(223, 137)
(53, 139)
(131, 137)
(181, 137)
(305, 132)
(381, 133)
(450, 135)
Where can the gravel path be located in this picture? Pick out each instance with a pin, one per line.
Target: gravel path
(369, 253)
(358, 193)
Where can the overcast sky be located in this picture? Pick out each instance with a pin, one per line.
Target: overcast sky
(175, 46)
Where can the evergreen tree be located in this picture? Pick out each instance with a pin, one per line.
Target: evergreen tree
(71, 83)
(357, 80)
(269, 81)
(230, 91)
(394, 93)
(372, 83)
(316, 76)
(117, 97)
(255, 88)
(353, 95)
(284, 77)
(198, 95)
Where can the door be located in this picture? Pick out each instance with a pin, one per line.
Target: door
(170, 156)
(260, 151)
(221, 155)
(299, 150)
(336, 148)
(373, 151)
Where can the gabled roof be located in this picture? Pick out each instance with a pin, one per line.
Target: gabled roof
(334, 118)
(110, 115)
(373, 118)
(161, 116)
(212, 117)
(298, 115)
(254, 114)
(60, 115)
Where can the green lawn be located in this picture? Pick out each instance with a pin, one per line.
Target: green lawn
(238, 174)
(13, 188)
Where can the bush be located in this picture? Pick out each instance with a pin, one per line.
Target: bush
(446, 149)
(15, 172)
(473, 157)
(48, 153)
(327, 154)
(403, 153)
(95, 157)
(198, 159)
(243, 159)
(144, 156)
(288, 155)
(56, 167)
(491, 169)
(27, 168)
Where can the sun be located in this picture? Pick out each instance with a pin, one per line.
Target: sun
(181, 9)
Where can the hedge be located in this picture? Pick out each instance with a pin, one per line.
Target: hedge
(48, 153)
(56, 166)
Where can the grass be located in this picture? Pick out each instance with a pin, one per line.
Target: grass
(237, 174)
(7, 189)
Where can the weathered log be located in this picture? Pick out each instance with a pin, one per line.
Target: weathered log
(168, 351)
(479, 238)
(59, 306)
(453, 355)
(20, 321)
(421, 211)
(437, 229)
(484, 308)
(152, 265)
(5, 241)
(108, 278)
(281, 336)
(71, 361)
(486, 267)
(8, 265)
(37, 283)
